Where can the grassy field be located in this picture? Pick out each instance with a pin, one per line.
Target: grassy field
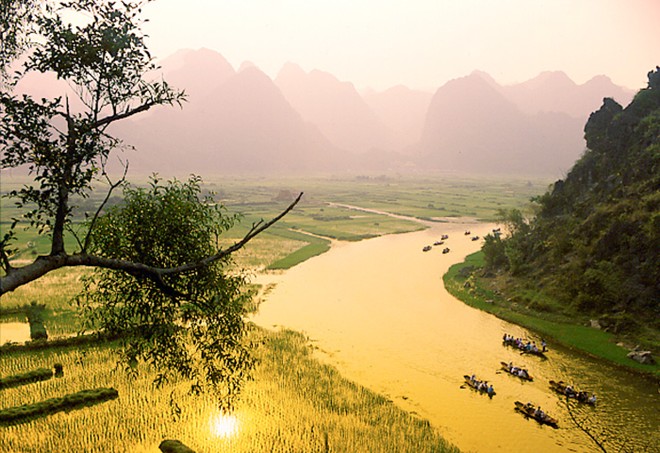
(294, 404)
(572, 333)
(427, 197)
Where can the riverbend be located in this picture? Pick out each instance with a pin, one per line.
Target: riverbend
(378, 311)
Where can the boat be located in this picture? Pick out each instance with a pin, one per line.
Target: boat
(445, 250)
(427, 248)
(525, 376)
(523, 348)
(474, 385)
(438, 242)
(528, 410)
(444, 237)
(581, 396)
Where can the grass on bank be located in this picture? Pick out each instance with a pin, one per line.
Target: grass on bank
(294, 404)
(594, 342)
(315, 246)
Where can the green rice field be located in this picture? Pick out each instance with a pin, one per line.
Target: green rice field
(294, 403)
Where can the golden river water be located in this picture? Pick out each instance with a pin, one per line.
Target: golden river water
(377, 310)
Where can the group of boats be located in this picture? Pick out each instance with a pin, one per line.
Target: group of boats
(442, 240)
(428, 247)
(438, 243)
(529, 409)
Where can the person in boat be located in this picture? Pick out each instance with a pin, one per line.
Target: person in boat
(592, 399)
(538, 413)
(490, 390)
(473, 378)
(543, 345)
(523, 374)
(568, 391)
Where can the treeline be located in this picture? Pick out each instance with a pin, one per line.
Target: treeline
(594, 243)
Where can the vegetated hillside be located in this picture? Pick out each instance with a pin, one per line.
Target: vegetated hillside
(594, 243)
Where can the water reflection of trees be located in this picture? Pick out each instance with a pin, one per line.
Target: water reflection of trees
(606, 438)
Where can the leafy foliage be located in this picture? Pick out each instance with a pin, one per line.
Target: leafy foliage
(104, 61)
(190, 324)
(594, 241)
(161, 278)
(15, 17)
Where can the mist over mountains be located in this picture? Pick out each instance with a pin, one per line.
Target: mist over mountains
(242, 121)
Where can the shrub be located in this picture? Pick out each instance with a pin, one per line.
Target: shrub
(40, 374)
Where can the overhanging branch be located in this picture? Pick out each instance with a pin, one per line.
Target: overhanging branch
(17, 277)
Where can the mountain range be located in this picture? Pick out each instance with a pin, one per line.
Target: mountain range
(242, 121)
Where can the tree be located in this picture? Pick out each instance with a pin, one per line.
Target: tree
(188, 324)
(155, 280)
(15, 17)
(494, 253)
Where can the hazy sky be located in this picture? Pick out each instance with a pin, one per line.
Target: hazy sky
(419, 43)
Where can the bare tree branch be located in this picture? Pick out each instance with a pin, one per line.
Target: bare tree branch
(113, 186)
(17, 277)
(255, 230)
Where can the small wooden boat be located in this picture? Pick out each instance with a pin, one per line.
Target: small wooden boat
(445, 250)
(438, 242)
(474, 385)
(444, 236)
(427, 248)
(524, 376)
(583, 397)
(523, 350)
(528, 410)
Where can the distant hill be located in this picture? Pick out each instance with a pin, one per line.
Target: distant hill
(243, 124)
(336, 108)
(242, 121)
(471, 126)
(198, 72)
(556, 92)
(402, 111)
(595, 240)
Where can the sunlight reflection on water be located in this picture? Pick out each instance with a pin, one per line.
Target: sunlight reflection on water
(224, 426)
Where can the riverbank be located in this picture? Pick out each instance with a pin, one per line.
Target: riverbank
(594, 342)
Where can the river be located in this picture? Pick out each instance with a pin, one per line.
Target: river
(377, 310)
